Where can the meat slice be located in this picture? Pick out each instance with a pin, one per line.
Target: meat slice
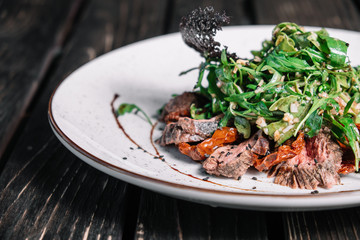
(233, 161)
(233, 167)
(179, 106)
(317, 165)
(188, 130)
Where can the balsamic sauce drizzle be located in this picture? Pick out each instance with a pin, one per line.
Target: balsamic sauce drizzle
(151, 138)
(157, 155)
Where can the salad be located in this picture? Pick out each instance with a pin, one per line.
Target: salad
(291, 111)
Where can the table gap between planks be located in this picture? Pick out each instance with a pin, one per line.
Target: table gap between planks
(47, 193)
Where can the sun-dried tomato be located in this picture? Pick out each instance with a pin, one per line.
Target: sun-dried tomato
(218, 139)
(284, 153)
(200, 151)
(346, 168)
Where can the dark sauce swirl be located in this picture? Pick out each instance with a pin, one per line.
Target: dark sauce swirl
(157, 154)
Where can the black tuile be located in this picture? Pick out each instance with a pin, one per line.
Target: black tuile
(199, 28)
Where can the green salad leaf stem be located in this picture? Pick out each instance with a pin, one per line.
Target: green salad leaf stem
(298, 81)
(130, 107)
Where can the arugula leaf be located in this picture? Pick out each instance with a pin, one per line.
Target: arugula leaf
(313, 123)
(283, 104)
(285, 43)
(310, 69)
(282, 63)
(129, 107)
(224, 121)
(349, 129)
(317, 103)
(197, 113)
(336, 49)
(243, 126)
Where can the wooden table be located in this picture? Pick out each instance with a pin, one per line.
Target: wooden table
(48, 193)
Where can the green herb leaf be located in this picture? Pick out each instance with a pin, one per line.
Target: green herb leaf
(337, 50)
(243, 126)
(313, 123)
(283, 63)
(197, 113)
(129, 107)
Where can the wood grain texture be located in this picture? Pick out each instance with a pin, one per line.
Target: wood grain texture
(157, 217)
(336, 14)
(162, 217)
(148, 18)
(31, 35)
(47, 193)
(336, 224)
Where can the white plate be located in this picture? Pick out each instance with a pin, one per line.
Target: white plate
(147, 74)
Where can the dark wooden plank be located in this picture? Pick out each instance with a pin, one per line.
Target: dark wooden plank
(194, 220)
(147, 17)
(237, 224)
(337, 224)
(31, 35)
(157, 217)
(46, 191)
(336, 13)
(162, 217)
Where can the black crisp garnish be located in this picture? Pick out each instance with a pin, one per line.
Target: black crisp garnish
(205, 178)
(199, 28)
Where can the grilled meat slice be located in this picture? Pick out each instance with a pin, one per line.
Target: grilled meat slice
(233, 161)
(179, 106)
(188, 130)
(315, 166)
(233, 167)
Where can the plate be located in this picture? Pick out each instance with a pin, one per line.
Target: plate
(146, 73)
